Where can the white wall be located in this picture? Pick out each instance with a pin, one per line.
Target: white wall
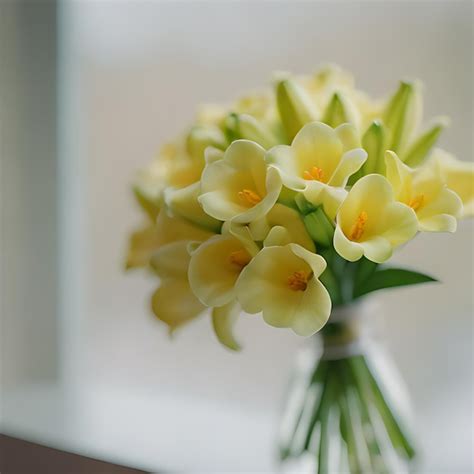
(135, 71)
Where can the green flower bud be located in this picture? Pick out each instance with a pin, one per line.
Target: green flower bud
(201, 136)
(184, 203)
(420, 149)
(374, 143)
(339, 111)
(319, 227)
(295, 107)
(402, 116)
(248, 127)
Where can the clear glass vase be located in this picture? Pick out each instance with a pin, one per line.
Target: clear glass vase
(346, 409)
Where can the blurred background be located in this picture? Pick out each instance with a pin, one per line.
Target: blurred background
(89, 91)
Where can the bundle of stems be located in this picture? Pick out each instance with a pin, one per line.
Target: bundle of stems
(342, 416)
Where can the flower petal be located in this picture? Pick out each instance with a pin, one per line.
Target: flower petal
(351, 162)
(175, 304)
(172, 260)
(184, 203)
(346, 248)
(313, 311)
(142, 245)
(212, 273)
(377, 249)
(223, 321)
(459, 176)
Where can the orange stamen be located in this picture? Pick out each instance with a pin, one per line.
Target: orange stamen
(299, 280)
(315, 173)
(249, 197)
(416, 202)
(240, 258)
(358, 228)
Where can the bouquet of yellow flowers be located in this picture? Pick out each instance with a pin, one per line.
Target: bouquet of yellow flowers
(288, 204)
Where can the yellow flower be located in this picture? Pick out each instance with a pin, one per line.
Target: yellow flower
(282, 225)
(173, 302)
(283, 284)
(240, 186)
(319, 163)
(371, 222)
(216, 265)
(459, 176)
(424, 190)
(146, 241)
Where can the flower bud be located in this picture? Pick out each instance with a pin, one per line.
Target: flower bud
(200, 137)
(319, 227)
(420, 149)
(184, 203)
(249, 128)
(339, 111)
(402, 116)
(373, 142)
(295, 107)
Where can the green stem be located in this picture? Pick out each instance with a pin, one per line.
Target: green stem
(323, 417)
(304, 424)
(392, 423)
(369, 431)
(355, 439)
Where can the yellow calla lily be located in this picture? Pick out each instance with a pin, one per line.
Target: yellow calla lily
(282, 283)
(319, 162)
(459, 176)
(239, 186)
(371, 222)
(173, 302)
(424, 190)
(216, 265)
(284, 225)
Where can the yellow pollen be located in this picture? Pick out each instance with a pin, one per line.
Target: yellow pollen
(358, 228)
(249, 197)
(314, 173)
(299, 280)
(416, 202)
(240, 258)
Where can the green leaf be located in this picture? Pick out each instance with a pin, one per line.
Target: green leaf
(390, 278)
